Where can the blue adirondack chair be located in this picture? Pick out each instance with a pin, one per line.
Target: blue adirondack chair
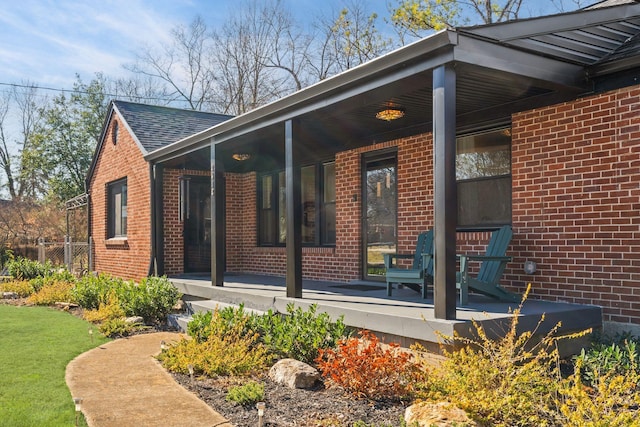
(421, 271)
(494, 261)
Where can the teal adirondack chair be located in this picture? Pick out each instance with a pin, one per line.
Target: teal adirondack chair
(494, 261)
(421, 271)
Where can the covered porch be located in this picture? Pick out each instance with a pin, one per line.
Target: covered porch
(405, 318)
(456, 82)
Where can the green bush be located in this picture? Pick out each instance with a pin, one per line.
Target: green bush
(300, 334)
(26, 269)
(90, 291)
(152, 299)
(199, 327)
(616, 355)
(247, 394)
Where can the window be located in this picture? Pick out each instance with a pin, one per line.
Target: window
(117, 209)
(483, 172)
(318, 227)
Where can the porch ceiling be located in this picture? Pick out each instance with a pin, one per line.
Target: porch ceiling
(484, 98)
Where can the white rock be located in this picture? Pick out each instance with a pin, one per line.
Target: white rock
(441, 414)
(134, 320)
(294, 374)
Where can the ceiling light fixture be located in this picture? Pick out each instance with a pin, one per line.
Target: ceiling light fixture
(391, 112)
(241, 157)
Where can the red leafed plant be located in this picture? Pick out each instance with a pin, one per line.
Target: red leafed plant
(365, 367)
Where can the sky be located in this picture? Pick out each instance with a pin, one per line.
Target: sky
(48, 42)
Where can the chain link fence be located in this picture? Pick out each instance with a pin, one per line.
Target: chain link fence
(76, 256)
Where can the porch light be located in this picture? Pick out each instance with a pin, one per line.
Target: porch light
(241, 157)
(530, 267)
(391, 112)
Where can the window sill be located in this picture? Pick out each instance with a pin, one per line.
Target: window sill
(117, 242)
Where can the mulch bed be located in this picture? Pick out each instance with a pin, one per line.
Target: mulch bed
(293, 407)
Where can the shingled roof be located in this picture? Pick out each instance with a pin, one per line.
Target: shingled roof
(155, 126)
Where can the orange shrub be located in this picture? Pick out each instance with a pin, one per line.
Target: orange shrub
(367, 368)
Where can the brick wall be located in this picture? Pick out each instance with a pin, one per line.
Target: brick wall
(128, 258)
(576, 201)
(576, 207)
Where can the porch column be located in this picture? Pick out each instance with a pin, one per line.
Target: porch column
(217, 217)
(294, 213)
(445, 191)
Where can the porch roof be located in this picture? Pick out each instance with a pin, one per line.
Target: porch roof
(500, 68)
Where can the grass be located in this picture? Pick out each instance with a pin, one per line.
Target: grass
(36, 344)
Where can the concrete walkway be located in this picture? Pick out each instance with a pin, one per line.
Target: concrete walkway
(121, 384)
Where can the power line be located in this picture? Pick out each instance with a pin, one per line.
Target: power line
(84, 92)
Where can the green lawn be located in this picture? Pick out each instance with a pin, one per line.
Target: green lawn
(36, 344)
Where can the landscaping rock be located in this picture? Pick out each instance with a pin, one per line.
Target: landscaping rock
(9, 295)
(66, 305)
(294, 374)
(134, 320)
(441, 414)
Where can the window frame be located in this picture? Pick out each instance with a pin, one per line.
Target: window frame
(114, 188)
(318, 208)
(493, 225)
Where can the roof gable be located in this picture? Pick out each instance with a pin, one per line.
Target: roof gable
(154, 126)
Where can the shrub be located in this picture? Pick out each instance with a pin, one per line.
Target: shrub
(367, 368)
(110, 310)
(152, 299)
(300, 334)
(199, 327)
(26, 269)
(247, 394)
(90, 291)
(59, 275)
(618, 355)
(234, 352)
(21, 287)
(56, 291)
(117, 327)
(612, 400)
(509, 381)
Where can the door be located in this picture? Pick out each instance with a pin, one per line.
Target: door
(380, 203)
(197, 225)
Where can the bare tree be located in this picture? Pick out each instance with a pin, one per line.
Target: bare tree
(183, 65)
(246, 73)
(23, 103)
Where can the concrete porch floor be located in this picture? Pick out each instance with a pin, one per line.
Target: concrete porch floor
(404, 317)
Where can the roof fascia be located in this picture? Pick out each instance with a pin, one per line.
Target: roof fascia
(103, 133)
(553, 73)
(614, 66)
(513, 30)
(367, 76)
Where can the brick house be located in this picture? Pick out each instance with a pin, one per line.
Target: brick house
(119, 181)
(533, 123)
